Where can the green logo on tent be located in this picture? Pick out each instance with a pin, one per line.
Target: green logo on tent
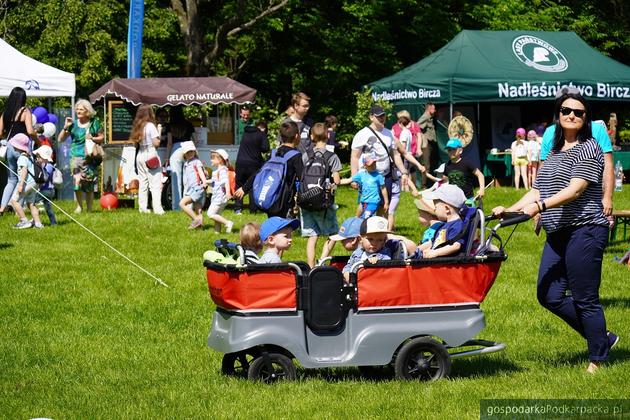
(539, 54)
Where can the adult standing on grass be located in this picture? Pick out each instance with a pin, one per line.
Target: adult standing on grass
(179, 130)
(568, 194)
(146, 137)
(15, 119)
(84, 169)
(250, 159)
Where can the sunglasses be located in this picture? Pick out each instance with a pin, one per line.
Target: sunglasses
(565, 110)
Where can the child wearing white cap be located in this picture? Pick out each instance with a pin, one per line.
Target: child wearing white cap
(195, 183)
(221, 193)
(47, 189)
(448, 200)
(374, 232)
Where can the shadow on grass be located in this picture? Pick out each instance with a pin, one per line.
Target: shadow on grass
(5, 245)
(580, 358)
(615, 302)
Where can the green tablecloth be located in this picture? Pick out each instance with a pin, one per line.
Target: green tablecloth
(624, 158)
(505, 158)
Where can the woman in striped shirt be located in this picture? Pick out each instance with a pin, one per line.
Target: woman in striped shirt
(568, 195)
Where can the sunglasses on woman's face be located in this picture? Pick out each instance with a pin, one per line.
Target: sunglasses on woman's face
(565, 110)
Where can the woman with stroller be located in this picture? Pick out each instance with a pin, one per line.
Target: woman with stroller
(568, 196)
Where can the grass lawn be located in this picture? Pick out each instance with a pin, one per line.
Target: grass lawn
(87, 335)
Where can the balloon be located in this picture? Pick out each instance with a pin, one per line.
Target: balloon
(109, 201)
(41, 113)
(49, 129)
(53, 118)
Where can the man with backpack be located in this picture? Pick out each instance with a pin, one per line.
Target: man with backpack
(274, 185)
(318, 212)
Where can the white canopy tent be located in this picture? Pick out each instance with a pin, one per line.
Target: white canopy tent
(38, 79)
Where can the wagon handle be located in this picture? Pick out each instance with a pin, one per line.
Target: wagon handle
(513, 220)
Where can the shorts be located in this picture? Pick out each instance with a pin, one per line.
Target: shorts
(521, 161)
(28, 195)
(369, 209)
(216, 208)
(197, 195)
(319, 223)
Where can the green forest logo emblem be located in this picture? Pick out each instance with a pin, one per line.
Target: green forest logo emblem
(539, 54)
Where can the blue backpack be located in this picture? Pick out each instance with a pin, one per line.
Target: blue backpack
(270, 183)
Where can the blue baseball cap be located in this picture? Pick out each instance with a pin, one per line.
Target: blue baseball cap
(274, 224)
(454, 143)
(350, 228)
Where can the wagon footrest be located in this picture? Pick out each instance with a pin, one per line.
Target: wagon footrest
(484, 347)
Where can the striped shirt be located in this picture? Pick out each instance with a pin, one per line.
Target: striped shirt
(585, 161)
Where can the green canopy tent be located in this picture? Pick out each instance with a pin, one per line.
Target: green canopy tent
(505, 66)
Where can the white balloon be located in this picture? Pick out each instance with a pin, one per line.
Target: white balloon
(49, 129)
(34, 119)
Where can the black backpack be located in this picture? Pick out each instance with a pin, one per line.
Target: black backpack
(314, 193)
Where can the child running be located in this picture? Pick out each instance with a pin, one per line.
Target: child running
(275, 234)
(47, 189)
(372, 186)
(220, 190)
(194, 185)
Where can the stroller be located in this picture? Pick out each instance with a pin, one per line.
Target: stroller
(409, 316)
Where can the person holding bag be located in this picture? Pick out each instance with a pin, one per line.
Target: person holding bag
(86, 132)
(146, 137)
(15, 119)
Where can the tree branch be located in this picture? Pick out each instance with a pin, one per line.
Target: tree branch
(272, 8)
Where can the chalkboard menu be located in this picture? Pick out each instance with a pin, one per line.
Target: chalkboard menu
(120, 116)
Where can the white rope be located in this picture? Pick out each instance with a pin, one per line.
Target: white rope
(157, 280)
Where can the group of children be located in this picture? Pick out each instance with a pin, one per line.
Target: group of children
(369, 238)
(35, 179)
(525, 157)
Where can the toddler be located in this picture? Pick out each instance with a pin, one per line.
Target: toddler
(44, 159)
(26, 189)
(195, 182)
(275, 235)
(372, 186)
(428, 218)
(251, 243)
(448, 199)
(220, 190)
(373, 238)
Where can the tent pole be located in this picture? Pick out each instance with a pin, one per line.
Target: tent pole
(478, 124)
(72, 111)
(450, 111)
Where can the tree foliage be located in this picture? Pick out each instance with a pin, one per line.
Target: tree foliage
(329, 49)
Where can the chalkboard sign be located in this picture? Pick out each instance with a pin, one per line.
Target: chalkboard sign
(120, 116)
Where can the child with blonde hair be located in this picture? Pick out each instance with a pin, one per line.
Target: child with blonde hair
(220, 190)
(251, 243)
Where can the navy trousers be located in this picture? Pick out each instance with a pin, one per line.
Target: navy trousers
(572, 260)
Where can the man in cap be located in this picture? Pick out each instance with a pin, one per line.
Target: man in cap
(378, 141)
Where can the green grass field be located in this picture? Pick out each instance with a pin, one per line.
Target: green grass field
(87, 335)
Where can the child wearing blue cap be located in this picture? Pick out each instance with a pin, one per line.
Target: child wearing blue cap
(275, 234)
(458, 171)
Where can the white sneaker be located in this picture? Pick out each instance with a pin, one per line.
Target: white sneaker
(38, 226)
(159, 213)
(24, 224)
(228, 227)
(145, 211)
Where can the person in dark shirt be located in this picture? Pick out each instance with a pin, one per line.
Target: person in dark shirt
(290, 140)
(458, 171)
(250, 159)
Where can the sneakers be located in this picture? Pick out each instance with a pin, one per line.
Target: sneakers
(613, 339)
(228, 227)
(38, 226)
(78, 210)
(146, 211)
(159, 213)
(238, 212)
(24, 224)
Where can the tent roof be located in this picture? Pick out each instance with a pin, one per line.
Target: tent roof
(478, 66)
(38, 79)
(177, 91)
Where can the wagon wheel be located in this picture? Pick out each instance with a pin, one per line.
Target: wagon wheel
(237, 364)
(272, 367)
(422, 359)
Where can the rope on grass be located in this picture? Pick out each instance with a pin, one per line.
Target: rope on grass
(157, 279)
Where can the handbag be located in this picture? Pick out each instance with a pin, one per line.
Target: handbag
(153, 162)
(3, 145)
(93, 149)
(57, 177)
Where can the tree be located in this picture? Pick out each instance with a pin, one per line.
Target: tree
(222, 20)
